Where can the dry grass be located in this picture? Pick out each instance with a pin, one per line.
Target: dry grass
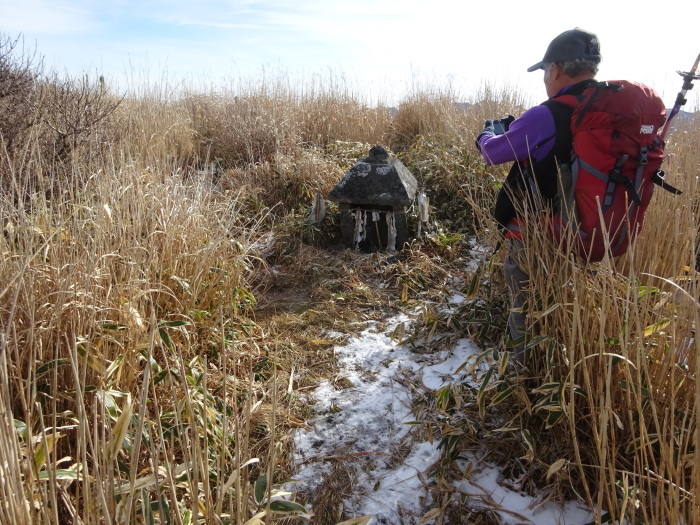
(161, 317)
(607, 411)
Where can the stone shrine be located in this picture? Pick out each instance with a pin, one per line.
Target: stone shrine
(374, 197)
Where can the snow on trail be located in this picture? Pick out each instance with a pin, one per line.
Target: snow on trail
(365, 426)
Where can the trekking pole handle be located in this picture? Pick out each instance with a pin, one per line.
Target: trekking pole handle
(688, 77)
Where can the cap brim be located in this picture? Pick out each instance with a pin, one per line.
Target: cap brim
(537, 66)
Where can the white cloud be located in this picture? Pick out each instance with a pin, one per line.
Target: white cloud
(45, 17)
(389, 43)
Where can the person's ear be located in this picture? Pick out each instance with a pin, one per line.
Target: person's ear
(556, 72)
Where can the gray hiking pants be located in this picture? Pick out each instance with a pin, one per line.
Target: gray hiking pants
(517, 281)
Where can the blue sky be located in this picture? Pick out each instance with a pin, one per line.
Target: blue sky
(382, 47)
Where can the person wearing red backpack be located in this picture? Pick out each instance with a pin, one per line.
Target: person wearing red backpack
(537, 143)
(590, 154)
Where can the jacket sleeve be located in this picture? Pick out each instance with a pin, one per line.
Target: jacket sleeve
(531, 135)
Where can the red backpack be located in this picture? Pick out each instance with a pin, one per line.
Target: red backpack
(616, 157)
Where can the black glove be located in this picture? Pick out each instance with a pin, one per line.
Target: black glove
(495, 127)
(499, 127)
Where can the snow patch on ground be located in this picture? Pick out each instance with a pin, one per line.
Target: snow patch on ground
(362, 419)
(365, 424)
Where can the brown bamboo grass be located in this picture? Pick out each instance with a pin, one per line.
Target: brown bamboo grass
(138, 242)
(132, 241)
(623, 331)
(629, 450)
(128, 249)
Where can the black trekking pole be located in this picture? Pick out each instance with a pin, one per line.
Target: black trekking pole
(688, 77)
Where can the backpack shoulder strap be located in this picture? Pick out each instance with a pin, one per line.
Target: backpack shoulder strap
(562, 111)
(578, 90)
(584, 92)
(563, 105)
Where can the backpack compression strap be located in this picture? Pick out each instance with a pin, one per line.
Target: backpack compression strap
(659, 180)
(613, 178)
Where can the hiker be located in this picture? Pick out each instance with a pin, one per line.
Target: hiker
(591, 154)
(539, 140)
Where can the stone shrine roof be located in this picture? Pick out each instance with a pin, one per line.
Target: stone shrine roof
(376, 180)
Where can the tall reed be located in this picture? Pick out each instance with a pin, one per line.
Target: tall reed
(137, 387)
(615, 358)
(125, 307)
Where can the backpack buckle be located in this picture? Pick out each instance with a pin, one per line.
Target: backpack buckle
(617, 169)
(643, 158)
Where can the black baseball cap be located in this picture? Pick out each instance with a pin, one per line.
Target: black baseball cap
(571, 45)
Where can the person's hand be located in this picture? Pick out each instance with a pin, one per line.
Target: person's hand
(499, 127)
(495, 127)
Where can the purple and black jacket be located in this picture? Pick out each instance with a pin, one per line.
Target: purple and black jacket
(536, 142)
(530, 135)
